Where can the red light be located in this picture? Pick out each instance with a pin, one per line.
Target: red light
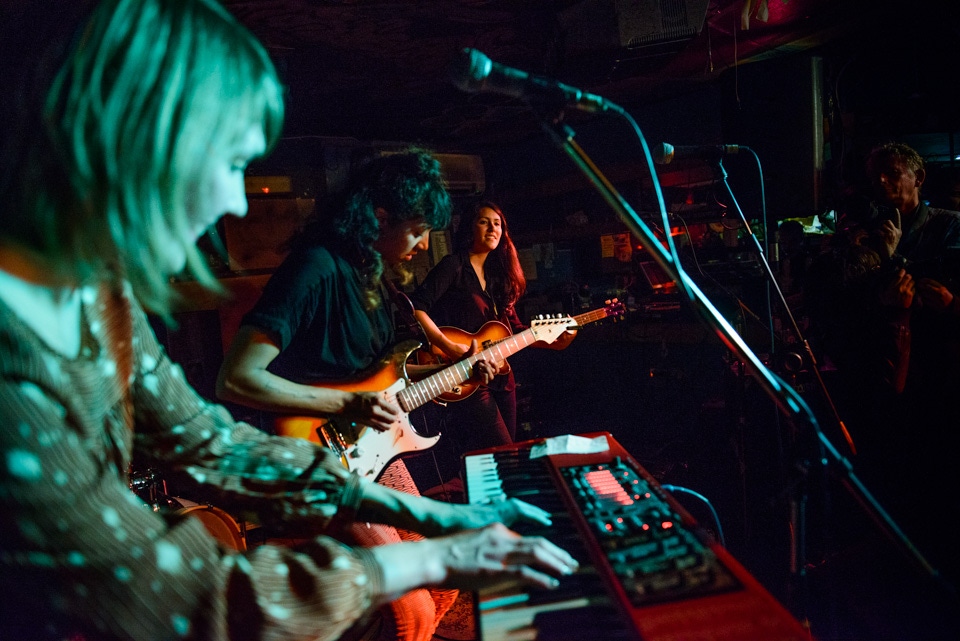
(666, 525)
(265, 190)
(606, 486)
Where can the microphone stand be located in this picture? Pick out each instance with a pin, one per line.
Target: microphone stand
(798, 490)
(772, 281)
(785, 397)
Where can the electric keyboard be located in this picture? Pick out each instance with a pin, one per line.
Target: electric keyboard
(647, 572)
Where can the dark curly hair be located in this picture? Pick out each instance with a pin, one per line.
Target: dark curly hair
(505, 280)
(407, 184)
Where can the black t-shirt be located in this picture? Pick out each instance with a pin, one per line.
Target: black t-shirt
(313, 305)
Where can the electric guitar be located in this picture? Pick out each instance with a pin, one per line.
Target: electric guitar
(373, 449)
(489, 335)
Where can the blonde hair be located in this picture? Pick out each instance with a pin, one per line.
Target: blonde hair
(147, 91)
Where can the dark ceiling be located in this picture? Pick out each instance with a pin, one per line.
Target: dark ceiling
(376, 70)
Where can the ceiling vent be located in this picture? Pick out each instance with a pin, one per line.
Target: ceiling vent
(643, 23)
(463, 174)
(608, 40)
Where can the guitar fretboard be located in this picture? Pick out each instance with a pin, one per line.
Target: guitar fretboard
(446, 379)
(591, 317)
(429, 388)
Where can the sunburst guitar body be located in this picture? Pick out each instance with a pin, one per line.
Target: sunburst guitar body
(374, 449)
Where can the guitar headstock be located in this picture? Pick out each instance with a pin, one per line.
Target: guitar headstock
(614, 308)
(549, 329)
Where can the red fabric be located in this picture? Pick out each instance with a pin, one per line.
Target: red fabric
(416, 615)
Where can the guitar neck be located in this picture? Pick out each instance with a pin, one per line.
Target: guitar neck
(432, 386)
(590, 317)
(438, 383)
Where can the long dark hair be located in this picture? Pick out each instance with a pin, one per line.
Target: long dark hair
(505, 279)
(407, 184)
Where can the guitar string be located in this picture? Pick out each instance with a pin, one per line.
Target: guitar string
(433, 383)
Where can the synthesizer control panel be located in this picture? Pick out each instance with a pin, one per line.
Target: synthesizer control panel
(652, 554)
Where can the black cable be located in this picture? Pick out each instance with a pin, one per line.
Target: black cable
(713, 512)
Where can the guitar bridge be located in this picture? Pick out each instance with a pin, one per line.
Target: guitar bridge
(331, 438)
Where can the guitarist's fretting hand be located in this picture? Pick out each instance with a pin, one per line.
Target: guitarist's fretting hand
(367, 409)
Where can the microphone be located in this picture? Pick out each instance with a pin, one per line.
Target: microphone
(664, 153)
(474, 72)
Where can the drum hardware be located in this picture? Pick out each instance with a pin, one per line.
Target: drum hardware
(223, 527)
(150, 486)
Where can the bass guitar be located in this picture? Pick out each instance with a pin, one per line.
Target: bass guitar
(489, 335)
(373, 449)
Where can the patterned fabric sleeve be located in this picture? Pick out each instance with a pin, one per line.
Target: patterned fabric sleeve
(227, 463)
(82, 557)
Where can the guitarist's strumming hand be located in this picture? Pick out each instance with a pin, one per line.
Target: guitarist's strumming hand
(370, 409)
(483, 370)
(456, 351)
